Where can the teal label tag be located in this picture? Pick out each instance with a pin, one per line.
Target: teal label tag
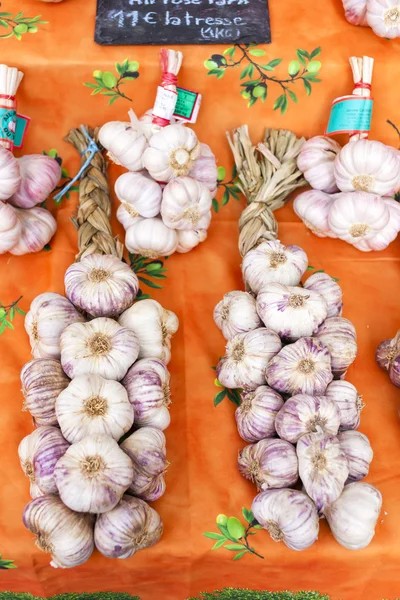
(8, 117)
(185, 103)
(350, 115)
(20, 130)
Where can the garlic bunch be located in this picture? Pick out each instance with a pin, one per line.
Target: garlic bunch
(323, 467)
(92, 405)
(383, 16)
(48, 316)
(10, 227)
(154, 327)
(131, 526)
(101, 285)
(339, 336)
(236, 313)
(316, 161)
(38, 453)
(171, 153)
(185, 204)
(269, 463)
(356, 12)
(301, 368)
(289, 516)
(303, 414)
(358, 451)
(255, 417)
(40, 175)
(125, 144)
(37, 228)
(353, 516)
(93, 475)
(331, 292)
(139, 195)
(66, 535)
(246, 358)
(151, 238)
(273, 262)
(313, 209)
(147, 384)
(146, 449)
(205, 170)
(292, 312)
(100, 347)
(189, 239)
(348, 401)
(10, 176)
(42, 381)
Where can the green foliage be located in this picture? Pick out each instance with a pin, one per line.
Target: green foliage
(73, 596)
(231, 189)
(310, 268)
(65, 178)
(233, 535)
(255, 74)
(7, 314)
(151, 268)
(223, 392)
(108, 84)
(245, 594)
(6, 564)
(18, 25)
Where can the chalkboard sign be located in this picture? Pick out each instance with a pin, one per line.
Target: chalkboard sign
(120, 22)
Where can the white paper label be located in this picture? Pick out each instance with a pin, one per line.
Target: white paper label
(165, 103)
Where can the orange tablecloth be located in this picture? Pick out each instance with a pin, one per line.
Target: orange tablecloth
(202, 441)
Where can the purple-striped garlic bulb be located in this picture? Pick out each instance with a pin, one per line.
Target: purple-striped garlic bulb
(355, 12)
(313, 207)
(349, 402)
(37, 228)
(205, 170)
(303, 414)
(339, 336)
(270, 463)
(388, 357)
(255, 417)
(358, 452)
(236, 313)
(323, 284)
(40, 175)
(316, 161)
(43, 379)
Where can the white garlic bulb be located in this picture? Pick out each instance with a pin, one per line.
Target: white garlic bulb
(385, 236)
(131, 526)
(42, 381)
(38, 453)
(301, 368)
(383, 16)
(339, 336)
(292, 312)
(125, 144)
(273, 262)
(316, 161)
(356, 12)
(92, 405)
(323, 467)
(329, 290)
(358, 452)
(101, 285)
(93, 474)
(37, 228)
(236, 313)
(185, 202)
(349, 402)
(154, 327)
(270, 463)
(147, 127)
(189, 239)
(306, 414)
(10, 175)
(171, 153)
(147, 384)
(10, 227)
(66, 535)
(289, 516)
(147, 450)
(151, 238)
(101, 347)
(48, 316)
(358, 216)
(255, 417)
(205, 170)
(140, 195)
(127, 216)
(247, 355)
(353, 517)
(313, 208)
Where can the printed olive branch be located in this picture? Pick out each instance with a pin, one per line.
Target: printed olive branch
(153, 269)
(7, 564)
(233, 530)
(108, 84)
(7, 314)
(19, 24)
(232, 395)
(231, 190)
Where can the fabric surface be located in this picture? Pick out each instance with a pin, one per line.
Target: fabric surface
(202, 441)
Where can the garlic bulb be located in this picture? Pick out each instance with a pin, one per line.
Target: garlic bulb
(387, 354)
(368, 166)
(385, 236)
(101, 285)
(40, 175)
(140, 195)
(329, 290)
(383, 16)
(37, 228)
(171, 153)
(358, 452)
(146, 449)
(93, 474)
(322, 467)
(356, 12)
(185, 202)
(349, 402)
(273, 262)
(316, 161)
(125, 144)
(247, 356)
(10, 176)
(339, 336)
(10, 227)
(42, 381)
(303, 414)
(48, 316)
(204, 169)
(236, 313)
(38, 453)
(66, 535)
(270, 463)
(147, 384)
(151, 238)
(354, 515)
(301, 368)
(101, 347)
(292, 312)
(131, 526)
(255, 417)
(126, 216)
(358, 216)
(92, 405)
(154, 327)
(313, 209)
(289, 516)
(189, 239)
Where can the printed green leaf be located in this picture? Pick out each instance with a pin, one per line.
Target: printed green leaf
(2, 327)
(224, 530)
(218, 398)
(150, 283)
(154, 266)
(234, 547)
(301, 58)
(112, 100)
(214, 536)
(257, 52)
(308, 87)
(219, 544)
(240, 554)
(3, 23)
(47, 248)
(119, 68)
(230, 51)
(11, 314)
(235, 528)
(292, 95)
(9, 325)
(278, 102)
(284, 105)
(234, 397)
(215, 205)
(274, 63)
(218, 383)
(20, 311)
(248, 515)
(257, 526)
(225, 198)
(315, 52)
